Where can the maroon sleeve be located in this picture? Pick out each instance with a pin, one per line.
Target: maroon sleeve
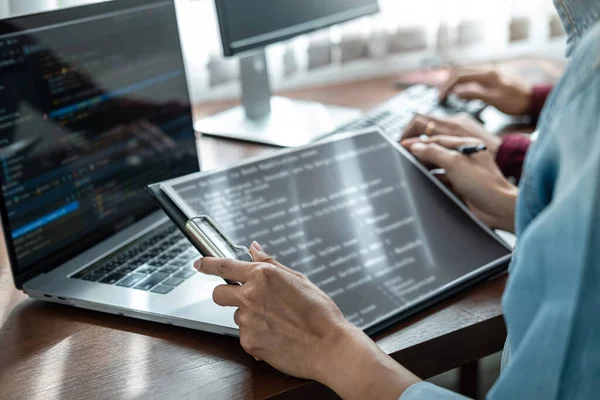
(539, 95)
(511, 155)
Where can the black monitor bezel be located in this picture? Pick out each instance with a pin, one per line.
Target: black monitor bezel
(230, 51)
(40, 20)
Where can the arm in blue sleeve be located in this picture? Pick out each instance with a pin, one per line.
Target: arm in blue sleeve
(552, 298)
(425, 390)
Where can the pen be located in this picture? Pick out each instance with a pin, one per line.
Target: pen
(467, 150)
(470, 149)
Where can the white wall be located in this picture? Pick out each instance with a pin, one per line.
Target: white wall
(70, 3)
(4, 11)
(18, 7)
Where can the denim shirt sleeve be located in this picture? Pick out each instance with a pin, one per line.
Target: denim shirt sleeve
(424, 390)
(552, 299)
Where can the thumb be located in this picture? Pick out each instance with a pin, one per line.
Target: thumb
(258, 254)
(434, 154)
(257, 246)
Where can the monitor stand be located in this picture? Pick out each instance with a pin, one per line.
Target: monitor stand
(272, 120)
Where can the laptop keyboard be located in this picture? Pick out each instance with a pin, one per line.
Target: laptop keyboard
(158, 262)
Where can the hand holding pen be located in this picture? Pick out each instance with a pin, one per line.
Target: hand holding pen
(470, 171)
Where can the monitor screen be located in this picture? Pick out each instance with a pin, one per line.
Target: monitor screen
(246, 25)
(94, 106)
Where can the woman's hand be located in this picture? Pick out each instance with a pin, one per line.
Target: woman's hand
(509, 94)
(291, 324)
(461, 125)
(475, 178)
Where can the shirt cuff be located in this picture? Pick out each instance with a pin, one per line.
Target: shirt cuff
(511, 156)
(425, 390)
(539, 95)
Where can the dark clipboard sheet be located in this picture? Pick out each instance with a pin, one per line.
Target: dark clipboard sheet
(357, 214)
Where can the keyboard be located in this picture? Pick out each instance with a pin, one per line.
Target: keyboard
(158, 262)
(393, 116)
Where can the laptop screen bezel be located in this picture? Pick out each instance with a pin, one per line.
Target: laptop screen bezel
(45, 19)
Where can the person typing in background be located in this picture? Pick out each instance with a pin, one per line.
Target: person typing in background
(552, 298)
(510, 95)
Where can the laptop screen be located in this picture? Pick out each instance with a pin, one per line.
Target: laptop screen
(94, 106)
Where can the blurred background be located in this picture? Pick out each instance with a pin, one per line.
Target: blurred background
(405, 36)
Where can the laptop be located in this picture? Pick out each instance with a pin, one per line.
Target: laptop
(95, 106)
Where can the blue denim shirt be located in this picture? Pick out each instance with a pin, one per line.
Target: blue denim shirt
(552, 300)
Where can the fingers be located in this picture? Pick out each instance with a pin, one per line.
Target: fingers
(238, 321)
(227, 296)
(435, 154)
(444, 179)
(236, 317)
(452, 142)
(474, 92)
(256, 246)
(258, 255)
(225, 268)
(484, 77)
(420, 123)
(238, 271)
(409, 142)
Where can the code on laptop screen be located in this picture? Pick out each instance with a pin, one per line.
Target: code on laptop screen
(94, 106)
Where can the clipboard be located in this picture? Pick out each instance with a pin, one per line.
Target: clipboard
(454, 277)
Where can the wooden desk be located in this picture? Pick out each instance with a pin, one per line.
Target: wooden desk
(57, 352)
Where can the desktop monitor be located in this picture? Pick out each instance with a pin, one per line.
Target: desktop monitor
(247, 27)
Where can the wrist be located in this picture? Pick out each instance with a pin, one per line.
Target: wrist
(356, 368)
(494, 143)
(508, 201)
(336, 349)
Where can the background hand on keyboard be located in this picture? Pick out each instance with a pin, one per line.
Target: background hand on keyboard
(476, 179)
(393, 116)
(461, 126)
(509, 94)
